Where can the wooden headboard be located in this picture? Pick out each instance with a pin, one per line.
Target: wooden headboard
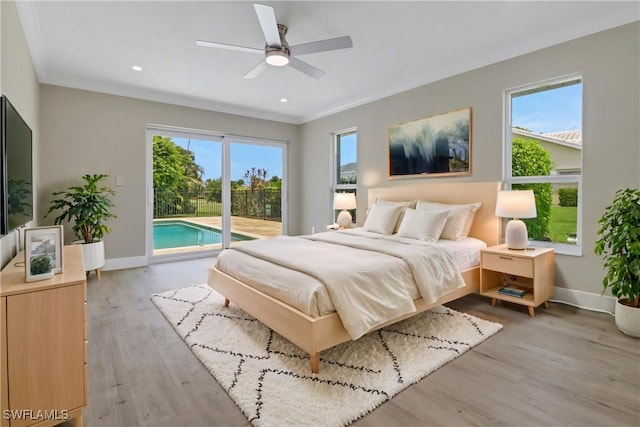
(486, 226)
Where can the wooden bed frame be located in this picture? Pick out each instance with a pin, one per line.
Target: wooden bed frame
(314, 335)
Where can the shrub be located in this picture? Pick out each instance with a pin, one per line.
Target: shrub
(529, 158)
(568, 197)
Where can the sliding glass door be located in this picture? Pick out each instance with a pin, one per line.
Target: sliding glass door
(256, 189)
(209, 191)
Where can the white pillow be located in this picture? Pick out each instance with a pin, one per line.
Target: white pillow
(404, 205)
(382, 218)
(460, 218)
(424, 225)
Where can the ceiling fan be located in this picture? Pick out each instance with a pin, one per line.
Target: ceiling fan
(277, 51)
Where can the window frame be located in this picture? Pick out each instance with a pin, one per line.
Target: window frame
(509, 180)
(335, 185)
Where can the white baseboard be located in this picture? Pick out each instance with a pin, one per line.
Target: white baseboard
(122, 263)
(586, 300)
(159, 259)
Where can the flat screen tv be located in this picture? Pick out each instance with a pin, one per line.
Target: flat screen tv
(15, 168)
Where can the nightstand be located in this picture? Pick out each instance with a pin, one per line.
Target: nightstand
(532, 269)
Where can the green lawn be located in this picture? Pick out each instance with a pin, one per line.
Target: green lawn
(563, 222)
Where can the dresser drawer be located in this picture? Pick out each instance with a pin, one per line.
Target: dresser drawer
(508, 264)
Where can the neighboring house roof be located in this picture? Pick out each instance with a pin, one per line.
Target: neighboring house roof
(572, 136)
(568, 138)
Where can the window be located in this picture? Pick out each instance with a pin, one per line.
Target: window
(345, 166)
(544, 153)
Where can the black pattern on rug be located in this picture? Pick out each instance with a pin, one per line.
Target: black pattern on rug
(270, 380)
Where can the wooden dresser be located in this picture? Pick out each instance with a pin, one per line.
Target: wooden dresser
(43, 344)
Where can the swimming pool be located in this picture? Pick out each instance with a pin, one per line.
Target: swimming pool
(179, 234)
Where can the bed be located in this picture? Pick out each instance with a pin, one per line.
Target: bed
(316, 332)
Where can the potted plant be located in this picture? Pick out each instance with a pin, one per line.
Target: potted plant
(89, 207)
(619, 246)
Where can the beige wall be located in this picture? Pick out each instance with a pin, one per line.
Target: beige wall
(609, 62)
(88, 132)
(19, 82)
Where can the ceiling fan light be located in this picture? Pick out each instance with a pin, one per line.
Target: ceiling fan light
(277, 58)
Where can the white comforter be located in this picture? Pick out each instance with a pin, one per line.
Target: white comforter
(362, 274)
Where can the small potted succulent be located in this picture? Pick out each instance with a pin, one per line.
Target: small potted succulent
(619, 246)
(89, 206)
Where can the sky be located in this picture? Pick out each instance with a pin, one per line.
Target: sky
(243, 157)
(549, 111)
(348, 147)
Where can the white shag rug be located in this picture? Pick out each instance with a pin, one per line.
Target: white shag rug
(269, 378)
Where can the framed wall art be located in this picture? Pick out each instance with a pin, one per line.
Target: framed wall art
(433, 147)
(42, 252)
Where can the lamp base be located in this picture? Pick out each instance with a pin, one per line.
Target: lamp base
(344, 219)
(516, 236)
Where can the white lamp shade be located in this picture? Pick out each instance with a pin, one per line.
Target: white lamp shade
(344, 201)
(516, 204)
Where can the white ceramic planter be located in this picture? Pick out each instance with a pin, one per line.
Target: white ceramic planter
(628, 319)
(93, 255)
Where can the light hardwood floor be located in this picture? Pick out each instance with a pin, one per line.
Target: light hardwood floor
(565, 367)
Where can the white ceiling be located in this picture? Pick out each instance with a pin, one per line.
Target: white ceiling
(92, 45)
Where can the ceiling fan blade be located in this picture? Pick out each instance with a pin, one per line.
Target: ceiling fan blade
(322, 46)
(267, 18)
(306, 68)
(255, 71)
(229, 46)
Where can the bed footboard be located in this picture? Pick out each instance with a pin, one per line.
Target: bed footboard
(312, 335)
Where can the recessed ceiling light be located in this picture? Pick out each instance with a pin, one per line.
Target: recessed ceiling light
(137, 68)
(283, 99)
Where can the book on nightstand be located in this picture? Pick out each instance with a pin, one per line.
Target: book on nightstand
(512, 291)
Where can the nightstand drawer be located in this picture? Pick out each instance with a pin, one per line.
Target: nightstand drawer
(508, 264)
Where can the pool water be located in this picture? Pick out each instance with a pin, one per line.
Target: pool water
(179, 234)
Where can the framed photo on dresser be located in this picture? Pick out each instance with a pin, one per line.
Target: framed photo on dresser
(43, 252)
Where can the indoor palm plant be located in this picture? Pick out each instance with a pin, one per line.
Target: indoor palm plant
(619, 246)
(89, 206)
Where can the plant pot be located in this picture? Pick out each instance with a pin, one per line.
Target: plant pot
(93, 254)
(628, 319)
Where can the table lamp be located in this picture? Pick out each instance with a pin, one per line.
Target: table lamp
(516, 204)
(344, 202)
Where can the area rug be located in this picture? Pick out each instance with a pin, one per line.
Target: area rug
(270, 380)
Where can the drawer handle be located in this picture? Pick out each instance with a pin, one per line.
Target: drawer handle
(508, 258)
